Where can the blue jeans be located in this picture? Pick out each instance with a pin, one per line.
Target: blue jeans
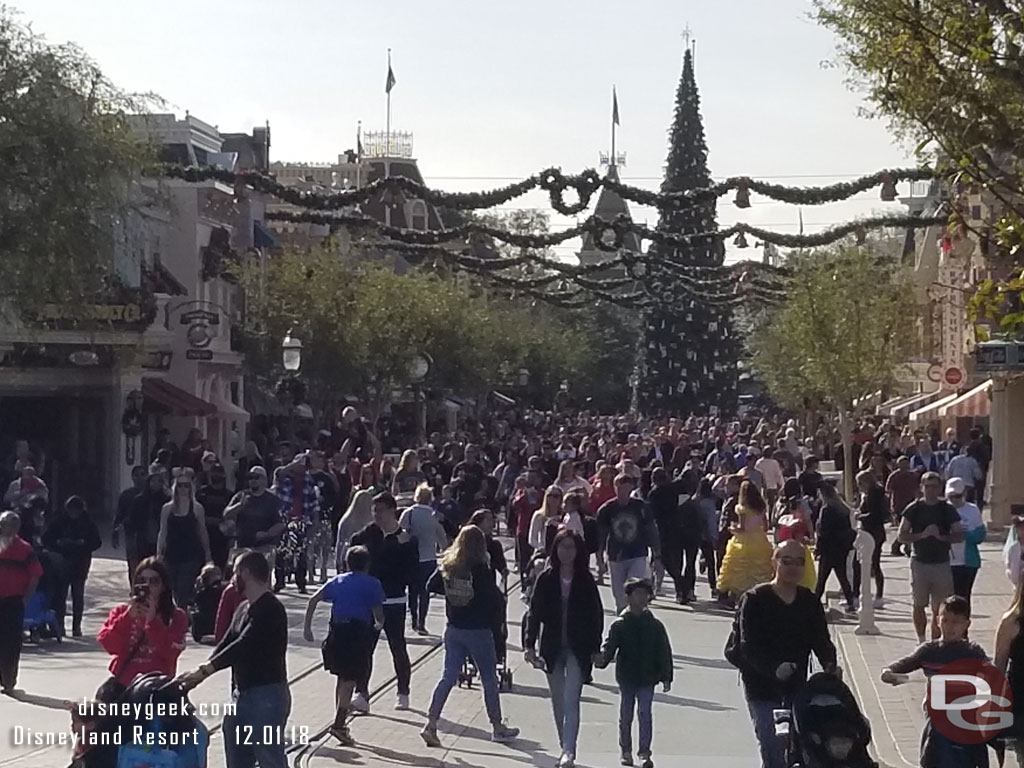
(259, 709)
(419, 595)
(620, 571)
(566, 684)
(459, 645)
(773, 750)
(642, 698)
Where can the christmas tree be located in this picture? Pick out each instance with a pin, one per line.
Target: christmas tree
(688, 354)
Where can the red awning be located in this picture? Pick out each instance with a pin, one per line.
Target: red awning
(976, 403)
(174, 400)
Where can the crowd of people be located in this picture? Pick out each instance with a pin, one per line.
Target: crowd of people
(584, 498)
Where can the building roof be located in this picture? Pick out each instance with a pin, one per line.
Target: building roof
(399, 167)
(609, 205)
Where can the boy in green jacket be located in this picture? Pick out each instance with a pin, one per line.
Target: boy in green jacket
(643, 658)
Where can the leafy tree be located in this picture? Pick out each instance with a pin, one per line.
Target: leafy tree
(362, 324)
(949, 76)
(839, 335)
(67, 156)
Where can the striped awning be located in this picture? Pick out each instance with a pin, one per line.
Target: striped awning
(918, 401)
(977, 402)
(930, 411)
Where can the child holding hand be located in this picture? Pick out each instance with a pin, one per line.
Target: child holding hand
(639, 644)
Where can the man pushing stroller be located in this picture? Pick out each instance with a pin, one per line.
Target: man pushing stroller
(776, 628)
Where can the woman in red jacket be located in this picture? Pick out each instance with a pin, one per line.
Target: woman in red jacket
(146, 634)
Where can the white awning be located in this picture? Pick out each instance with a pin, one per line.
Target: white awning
(229, 410)
(930, 411)
(976, 402)
(912, 404)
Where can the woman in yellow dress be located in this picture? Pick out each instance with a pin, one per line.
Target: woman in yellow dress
(748, 556)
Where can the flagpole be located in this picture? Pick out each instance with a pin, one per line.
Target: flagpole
(611, 163)
(387, 139)
(359, 153)
(387, 146)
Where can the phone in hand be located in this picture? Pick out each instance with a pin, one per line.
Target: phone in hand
(140, 593)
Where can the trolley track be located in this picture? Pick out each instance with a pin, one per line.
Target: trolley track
(301, 754)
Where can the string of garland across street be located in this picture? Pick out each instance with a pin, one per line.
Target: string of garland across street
(719, 285)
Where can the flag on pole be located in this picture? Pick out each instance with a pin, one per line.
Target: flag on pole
(391, 79)
(615, 107)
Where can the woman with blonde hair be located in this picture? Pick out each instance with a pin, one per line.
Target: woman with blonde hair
(358, 515)
(422, 523)
(183, 543)
(1009, 659)
(408, 477)
(546, 520)
(474, 608)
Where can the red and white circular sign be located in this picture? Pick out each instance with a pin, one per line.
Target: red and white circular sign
(953, 376)
(969, 701)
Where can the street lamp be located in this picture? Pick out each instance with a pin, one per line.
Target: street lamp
(291, 352)
(419, 367)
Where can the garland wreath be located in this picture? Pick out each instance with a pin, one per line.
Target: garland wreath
(716, 285)
(556, 184)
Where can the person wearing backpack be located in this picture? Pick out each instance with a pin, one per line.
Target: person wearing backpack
(777, 626)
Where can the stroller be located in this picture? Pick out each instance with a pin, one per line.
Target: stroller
(178, 739)
(824, 727)
(40, 620)
(505, 682)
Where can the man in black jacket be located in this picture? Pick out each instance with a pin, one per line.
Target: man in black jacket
(394, 561)
(777, 626)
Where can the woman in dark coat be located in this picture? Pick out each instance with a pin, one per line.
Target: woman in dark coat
(74, 536)
(567, 616)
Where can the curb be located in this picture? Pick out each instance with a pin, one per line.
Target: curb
(884, 743)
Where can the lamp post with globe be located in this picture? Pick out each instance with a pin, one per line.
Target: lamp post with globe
(291, 388)
(419, 368)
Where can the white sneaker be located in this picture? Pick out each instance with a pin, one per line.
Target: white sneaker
(402, 702)
(568, 760)
(360, 704)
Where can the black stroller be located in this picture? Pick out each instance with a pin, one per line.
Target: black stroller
(824, 727)
(164, 735)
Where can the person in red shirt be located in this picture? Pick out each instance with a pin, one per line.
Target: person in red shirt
(526, 500)
(146, 634)
(230, 599)
(20, 571)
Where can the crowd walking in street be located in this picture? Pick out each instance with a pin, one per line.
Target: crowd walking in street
(582, 499)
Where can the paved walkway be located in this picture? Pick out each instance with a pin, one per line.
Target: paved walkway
(896, 713)
(702, 722)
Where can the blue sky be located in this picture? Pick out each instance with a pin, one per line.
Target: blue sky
(494, 91)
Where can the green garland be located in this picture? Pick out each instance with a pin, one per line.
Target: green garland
(598, 227)
(584, 186)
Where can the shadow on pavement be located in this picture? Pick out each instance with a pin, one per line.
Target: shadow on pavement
(701, 662)
(676, 701)
(543, 693)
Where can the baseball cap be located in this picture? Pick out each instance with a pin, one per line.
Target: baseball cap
(954, 487)
(258, 471)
